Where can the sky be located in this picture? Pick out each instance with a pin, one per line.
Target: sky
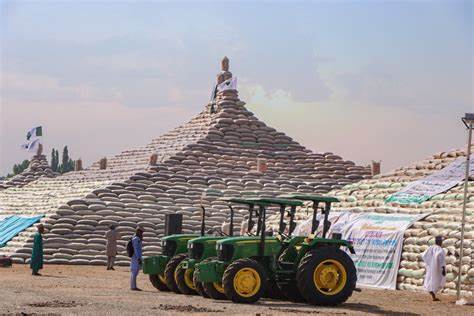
(367, 80)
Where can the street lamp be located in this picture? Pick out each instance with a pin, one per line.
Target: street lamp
(468, 120)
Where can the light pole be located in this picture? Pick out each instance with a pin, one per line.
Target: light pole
(468, 120)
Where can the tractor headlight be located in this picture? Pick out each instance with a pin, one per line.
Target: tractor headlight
(219, 246)
(190, 245)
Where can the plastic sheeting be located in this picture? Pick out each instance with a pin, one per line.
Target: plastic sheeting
(12, 225)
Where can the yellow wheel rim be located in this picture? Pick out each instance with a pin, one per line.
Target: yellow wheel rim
(330, 277)
(218, 287)
(247, 282)
(188, 278)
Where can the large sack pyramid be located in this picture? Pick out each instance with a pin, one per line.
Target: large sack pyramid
(215, 152)
(445, 219)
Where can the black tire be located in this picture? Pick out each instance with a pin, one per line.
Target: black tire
(199, 287)
(211, 290)
(214, 291)
(182, 277)
(258, 274)
(158, 283)
(336, 262)
(169, 272)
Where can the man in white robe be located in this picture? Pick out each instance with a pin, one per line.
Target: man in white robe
(435, 265)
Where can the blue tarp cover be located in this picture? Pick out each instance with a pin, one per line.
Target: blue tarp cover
(12, 225)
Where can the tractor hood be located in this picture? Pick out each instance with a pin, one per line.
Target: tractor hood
(245, 239)
(204, 239)
(179, 236)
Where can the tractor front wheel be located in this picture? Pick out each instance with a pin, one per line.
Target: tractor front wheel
(184, 280)
(326, 276)
(170, 270)
(214, 290)
(159, 282)
(244, 281)
(199, 287)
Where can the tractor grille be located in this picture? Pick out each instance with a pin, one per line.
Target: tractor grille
(197, 251)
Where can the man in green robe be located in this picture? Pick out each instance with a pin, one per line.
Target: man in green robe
(36, 262)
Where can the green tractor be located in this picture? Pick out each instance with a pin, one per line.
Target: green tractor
(158, 267)
(165, 270)
(305, 268)
(204, 249)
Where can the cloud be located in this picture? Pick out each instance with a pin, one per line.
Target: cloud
(387, 85)
(356, 131)
(41, 87)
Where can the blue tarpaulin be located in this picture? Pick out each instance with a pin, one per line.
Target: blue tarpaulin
(12, 225)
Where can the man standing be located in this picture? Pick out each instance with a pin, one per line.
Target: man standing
(136, 261)
(435, 265)
(111, 246)
(36, 262)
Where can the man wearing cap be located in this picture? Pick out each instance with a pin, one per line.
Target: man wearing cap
(136, 261)
(111, 246)
(36, 262)
(435, 266)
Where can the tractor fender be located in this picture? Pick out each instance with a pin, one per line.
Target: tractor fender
(316, 242)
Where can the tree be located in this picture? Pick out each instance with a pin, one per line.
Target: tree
(67, 163)
(55, 160)
(19, 168)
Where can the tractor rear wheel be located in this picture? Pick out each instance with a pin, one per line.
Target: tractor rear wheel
(158, 281)
(244, 281)
(184, 280)
(170, 269)
(199, 287)
(326, 276)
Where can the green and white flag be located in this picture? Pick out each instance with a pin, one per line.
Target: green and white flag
(34, 133)
(32, 146)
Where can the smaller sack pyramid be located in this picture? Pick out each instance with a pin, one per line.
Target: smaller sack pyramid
(37, 168)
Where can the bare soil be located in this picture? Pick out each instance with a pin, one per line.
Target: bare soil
(91, 290)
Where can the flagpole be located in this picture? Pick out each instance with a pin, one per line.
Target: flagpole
(468, 121)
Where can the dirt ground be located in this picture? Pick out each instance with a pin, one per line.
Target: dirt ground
(92, 290)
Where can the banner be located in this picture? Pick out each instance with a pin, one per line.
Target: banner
(378, 241)
(436, 183)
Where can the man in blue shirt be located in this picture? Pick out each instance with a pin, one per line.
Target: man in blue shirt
(136, 262)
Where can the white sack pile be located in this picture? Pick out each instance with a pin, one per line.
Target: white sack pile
(369, 196)
(214, 152)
